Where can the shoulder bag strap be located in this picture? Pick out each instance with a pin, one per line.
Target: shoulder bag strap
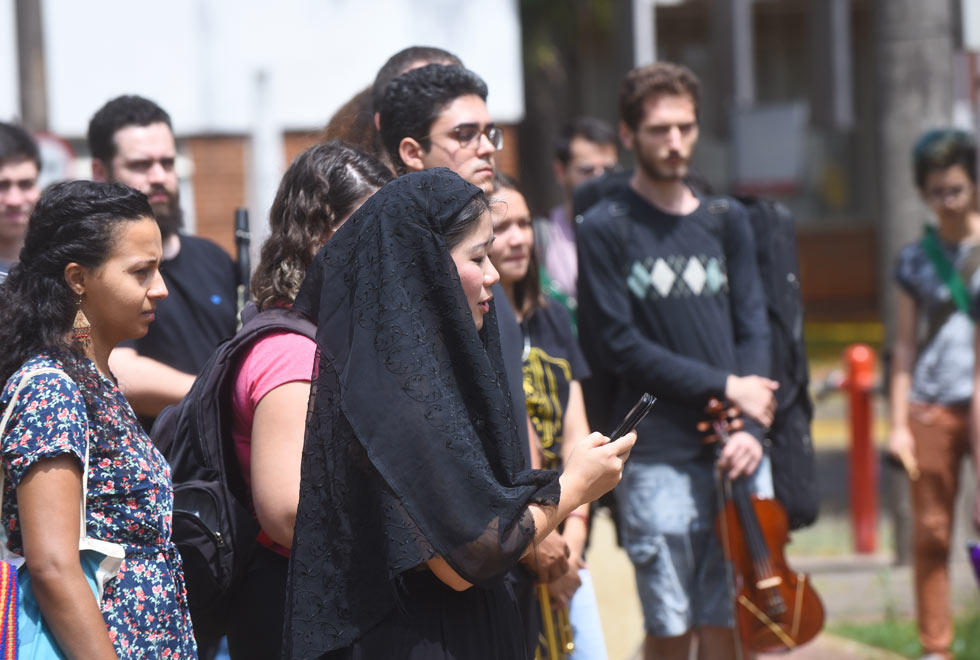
(955, 280)
(24, 380)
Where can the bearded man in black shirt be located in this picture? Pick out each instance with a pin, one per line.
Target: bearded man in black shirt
(671, 303)
(132, 142)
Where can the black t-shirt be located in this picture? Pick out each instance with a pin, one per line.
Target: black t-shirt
(199, 311)
(510, 346)
(552, 360)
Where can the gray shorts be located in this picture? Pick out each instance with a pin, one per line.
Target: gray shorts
(667, 514)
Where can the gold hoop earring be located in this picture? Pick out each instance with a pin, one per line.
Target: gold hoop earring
(81, 329)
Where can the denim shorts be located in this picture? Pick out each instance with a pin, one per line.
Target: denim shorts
(667, 517)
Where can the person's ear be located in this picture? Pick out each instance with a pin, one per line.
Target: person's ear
(100, 171)
(626, 135)
(411, 153)
(75, 277)
(561, 173)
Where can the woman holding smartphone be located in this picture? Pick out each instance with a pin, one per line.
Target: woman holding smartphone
(414, 499)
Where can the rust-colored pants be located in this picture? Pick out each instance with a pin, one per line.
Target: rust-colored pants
(941, 442)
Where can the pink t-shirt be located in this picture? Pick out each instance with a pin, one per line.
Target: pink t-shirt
(275, 359)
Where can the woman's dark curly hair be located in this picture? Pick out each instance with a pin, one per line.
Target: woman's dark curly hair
(73, 222)
(319, 191)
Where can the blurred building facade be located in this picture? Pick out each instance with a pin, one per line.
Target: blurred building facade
(815, 103)
(249, 84)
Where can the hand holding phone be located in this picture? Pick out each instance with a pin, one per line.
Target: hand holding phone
(634, 416)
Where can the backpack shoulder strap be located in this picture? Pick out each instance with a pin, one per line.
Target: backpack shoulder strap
(201, 413)
(618, 212)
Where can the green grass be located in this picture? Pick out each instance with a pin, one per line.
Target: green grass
(899, 635)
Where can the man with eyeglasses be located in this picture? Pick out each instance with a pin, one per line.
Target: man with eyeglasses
(436, 116)
(585, 149)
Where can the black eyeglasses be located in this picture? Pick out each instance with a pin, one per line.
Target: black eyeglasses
(465, 134)
(940, 195)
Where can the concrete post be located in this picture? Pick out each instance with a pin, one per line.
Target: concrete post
(644, 32)
(913, 73)
(831, 65)
(30, 65)
(914, 85)
(732, 42)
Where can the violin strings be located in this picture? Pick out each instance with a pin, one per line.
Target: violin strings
(758, 550)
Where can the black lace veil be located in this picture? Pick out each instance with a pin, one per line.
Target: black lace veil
(411, 447)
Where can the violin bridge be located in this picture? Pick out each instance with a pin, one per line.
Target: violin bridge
(769, 582)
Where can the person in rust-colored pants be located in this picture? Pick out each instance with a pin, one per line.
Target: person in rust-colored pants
(942, 442)
(932, 378)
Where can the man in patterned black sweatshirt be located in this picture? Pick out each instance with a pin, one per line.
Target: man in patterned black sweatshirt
(671, 303)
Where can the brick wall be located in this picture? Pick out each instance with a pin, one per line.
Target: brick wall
(296, 142)
(839, 272)
(507, 158)
(221, 175)
(219, 180)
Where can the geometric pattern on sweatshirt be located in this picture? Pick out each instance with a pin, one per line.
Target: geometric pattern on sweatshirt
(678, 276)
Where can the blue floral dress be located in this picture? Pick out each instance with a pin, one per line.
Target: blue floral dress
(130, 499)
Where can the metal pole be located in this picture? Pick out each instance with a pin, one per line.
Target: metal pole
(30, 65)
(743, 57)
(860, 361)
(914, 84)
(644, 32)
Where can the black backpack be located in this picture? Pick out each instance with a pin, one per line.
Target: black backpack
(794, 470)
(213, 526)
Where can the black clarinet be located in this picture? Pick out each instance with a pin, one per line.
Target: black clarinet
(243, 239)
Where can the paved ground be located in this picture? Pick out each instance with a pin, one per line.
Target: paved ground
(852, 587)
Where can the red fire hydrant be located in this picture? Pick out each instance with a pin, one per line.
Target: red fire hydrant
(860, 381)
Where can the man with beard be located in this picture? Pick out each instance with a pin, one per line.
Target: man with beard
(20, 164)
(671, 303)
(132, 142)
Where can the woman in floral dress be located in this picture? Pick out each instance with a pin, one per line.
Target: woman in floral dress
(88, 279)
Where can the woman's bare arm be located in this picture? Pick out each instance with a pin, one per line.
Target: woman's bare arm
(278, 429)
(48, 500)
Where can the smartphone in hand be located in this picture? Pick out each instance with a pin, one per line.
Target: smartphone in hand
(634, 416)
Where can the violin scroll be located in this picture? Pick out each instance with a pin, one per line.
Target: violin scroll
(726, 419)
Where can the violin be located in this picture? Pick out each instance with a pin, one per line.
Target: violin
(776, 608)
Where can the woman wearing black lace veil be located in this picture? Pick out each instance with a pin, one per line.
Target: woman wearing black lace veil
(414, 497)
